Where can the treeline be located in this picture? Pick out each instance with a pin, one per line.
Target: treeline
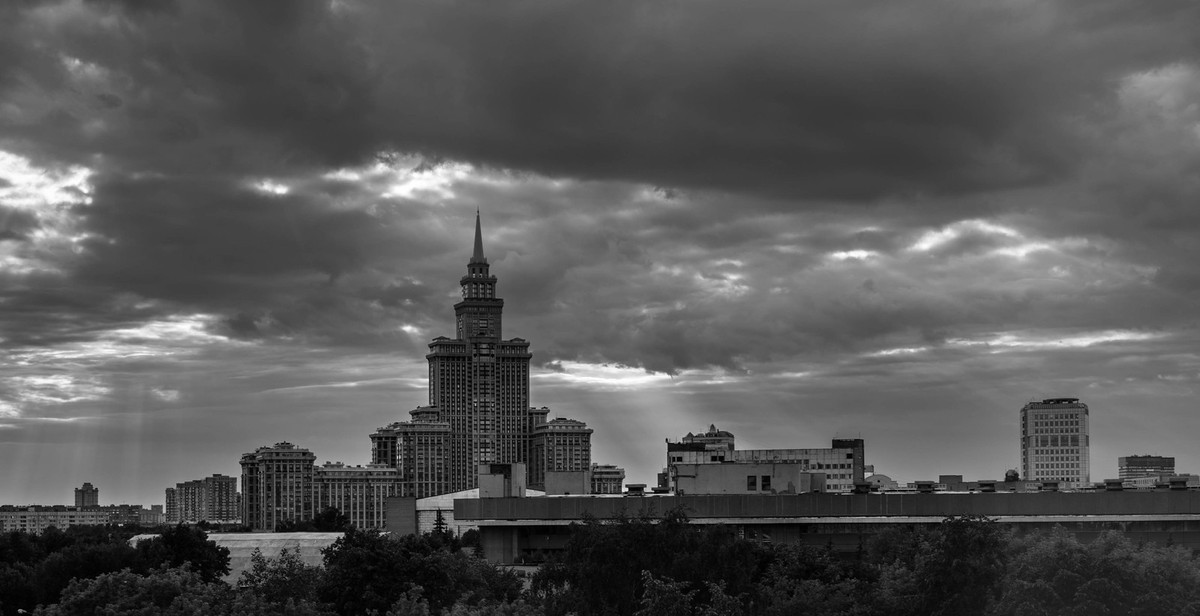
(625, 567)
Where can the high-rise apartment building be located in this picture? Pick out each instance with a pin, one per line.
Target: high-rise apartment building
(277, 486)
(559, 445)
(479, 382)
(213, 499)
(87, 496)
(1132, 467)
(1054, 442)
(358, 492)
(418, 449)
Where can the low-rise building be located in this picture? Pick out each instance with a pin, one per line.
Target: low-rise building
(37, 518)
(842, 464)
(1130, 467)
(607, 479)
(746, 478)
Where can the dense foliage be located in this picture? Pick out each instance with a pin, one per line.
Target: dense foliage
(620, 567)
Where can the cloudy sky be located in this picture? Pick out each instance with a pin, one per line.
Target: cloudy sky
(225, 224)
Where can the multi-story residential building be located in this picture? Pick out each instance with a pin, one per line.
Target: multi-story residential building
(277, 486)
(171, 513)
(479, 382)
(418, 449)
(842, 463)
(37, 518)
(87, 496)
(713, 439)
(607, 479)
(1054, 442)
(213, 499)
(358, 492)
(1132, 467)
(559, 445)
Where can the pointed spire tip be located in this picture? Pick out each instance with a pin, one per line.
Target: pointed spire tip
(477, 256)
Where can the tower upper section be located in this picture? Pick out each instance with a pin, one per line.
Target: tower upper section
(478, 314)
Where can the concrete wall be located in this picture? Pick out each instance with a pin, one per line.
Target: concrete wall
(1164, 502)
(528, 530)
(501, 480)
(400, 515)
(568, 482)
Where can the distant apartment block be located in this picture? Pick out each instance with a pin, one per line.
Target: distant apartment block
(842, 464)
(87, 496)
(213, 499)
(1054, 442)
(359, 492)
(607, 479)
(1132, 467)
(277, 486)
(37, 518)
(559, 446)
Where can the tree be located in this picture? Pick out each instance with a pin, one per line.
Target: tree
(185, 545)
(365, 571)
(278, 580)
(439, 524)
(331, 520)
(601, 569)
(1055, 573)
(165, 592)
(962, 572)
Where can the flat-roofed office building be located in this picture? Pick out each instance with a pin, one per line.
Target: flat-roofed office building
(1054, 442)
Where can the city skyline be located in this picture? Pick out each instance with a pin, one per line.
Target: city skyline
(227, 226)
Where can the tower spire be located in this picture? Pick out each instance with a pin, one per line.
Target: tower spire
(478, 257)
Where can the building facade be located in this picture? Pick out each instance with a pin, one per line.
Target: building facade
(37, 518)
(559, 445)
(479, 382)
(277, 486)
(358, 492)
(1055, 443)
(213, 499)
(87, 496)
(607, 479)
(1132, 467)
(746, 478)
(532, 530)
(419, 450)
(842, 463)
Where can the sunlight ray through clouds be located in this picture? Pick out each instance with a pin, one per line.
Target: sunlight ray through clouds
(602, 376)
(1003, 342)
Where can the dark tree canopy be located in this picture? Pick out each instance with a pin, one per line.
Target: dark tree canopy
(186, 545)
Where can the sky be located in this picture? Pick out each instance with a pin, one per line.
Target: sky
(225, 224)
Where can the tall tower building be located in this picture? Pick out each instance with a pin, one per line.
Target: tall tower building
(87, 496)
(480, 382)
(1054, 442)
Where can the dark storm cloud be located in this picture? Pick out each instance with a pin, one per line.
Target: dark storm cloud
(775, 97)
(794, 98)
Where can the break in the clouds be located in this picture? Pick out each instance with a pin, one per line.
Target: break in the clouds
(224, 224)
